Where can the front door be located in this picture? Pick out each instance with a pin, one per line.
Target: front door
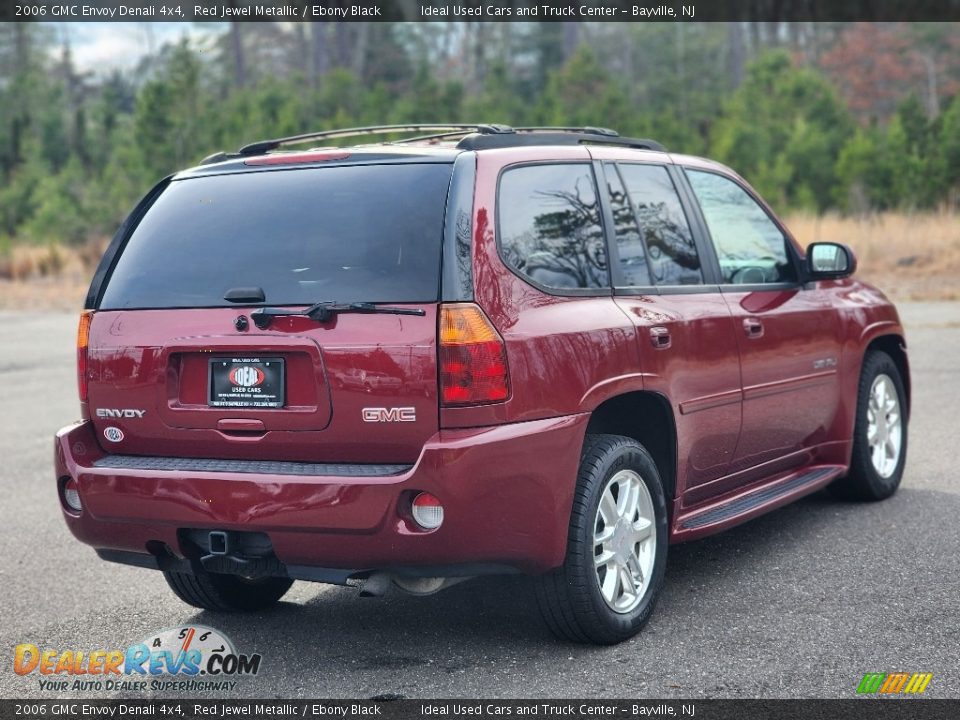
(788, 334)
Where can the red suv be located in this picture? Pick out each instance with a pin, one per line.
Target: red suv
(551, 351)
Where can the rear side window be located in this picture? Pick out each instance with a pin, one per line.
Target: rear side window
(633, 255)
(347, 234)
(750, 247)
(550, 229)
(671, 252)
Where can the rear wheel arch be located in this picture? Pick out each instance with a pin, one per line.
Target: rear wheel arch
(648, 418)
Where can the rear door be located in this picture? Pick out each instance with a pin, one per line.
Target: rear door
(176, 369)
(688, 350)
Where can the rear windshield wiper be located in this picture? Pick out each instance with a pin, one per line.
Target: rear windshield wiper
(323, 311)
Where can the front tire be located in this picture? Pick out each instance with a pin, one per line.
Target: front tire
(607, 587)
(226, 593)
(880, 433)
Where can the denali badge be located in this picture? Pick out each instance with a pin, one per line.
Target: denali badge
(113, 434)
(120, 413)
(402, 414)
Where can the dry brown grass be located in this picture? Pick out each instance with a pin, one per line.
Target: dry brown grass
(47, 278)
(910, 256)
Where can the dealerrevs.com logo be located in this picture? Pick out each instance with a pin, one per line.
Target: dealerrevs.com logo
(188, 658)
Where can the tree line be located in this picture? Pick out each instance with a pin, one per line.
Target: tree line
(848, 117)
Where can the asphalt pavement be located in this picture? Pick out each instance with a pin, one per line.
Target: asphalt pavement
(799, 603)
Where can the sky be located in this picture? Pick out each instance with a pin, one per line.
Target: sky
(101, 47)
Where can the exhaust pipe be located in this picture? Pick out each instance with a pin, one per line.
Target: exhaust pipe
(379, 584)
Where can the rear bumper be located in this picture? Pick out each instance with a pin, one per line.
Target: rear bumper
(507, 493)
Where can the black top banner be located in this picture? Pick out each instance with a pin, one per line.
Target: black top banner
(480, 10)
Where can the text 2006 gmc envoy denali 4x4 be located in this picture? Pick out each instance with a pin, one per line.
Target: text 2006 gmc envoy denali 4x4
(477, 350)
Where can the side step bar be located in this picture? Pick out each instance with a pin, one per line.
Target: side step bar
(754, 502)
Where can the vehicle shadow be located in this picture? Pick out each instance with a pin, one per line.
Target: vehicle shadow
(376, 645)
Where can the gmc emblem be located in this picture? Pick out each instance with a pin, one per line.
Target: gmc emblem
(401, 414)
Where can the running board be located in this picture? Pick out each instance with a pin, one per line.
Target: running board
(752, 503)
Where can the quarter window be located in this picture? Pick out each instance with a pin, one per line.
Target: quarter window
(550, 229)
(750, 247)
(671, 252)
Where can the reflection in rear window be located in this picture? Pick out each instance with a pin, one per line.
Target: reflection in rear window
(550, 226)
(346, 234)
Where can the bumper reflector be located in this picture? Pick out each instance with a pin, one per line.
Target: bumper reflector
(427, 511)
(71, 495)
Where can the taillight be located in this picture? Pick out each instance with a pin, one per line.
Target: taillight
(83, 341)
(473, 359)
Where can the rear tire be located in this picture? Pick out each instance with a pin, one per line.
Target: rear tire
(879, 435)
(619, 513)
(226, 593)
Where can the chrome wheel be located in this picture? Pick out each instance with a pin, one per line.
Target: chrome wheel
(884, 426)
(624, 541)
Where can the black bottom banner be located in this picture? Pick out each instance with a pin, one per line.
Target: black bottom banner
(868, 709)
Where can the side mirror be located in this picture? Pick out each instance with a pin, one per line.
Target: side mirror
(829, 261)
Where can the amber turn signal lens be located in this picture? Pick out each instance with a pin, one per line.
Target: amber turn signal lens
(83, 341)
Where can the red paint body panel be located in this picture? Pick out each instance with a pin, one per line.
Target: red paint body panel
(699, 373)
(788, 404)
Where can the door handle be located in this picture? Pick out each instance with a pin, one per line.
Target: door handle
(660, 337)
(753, 328)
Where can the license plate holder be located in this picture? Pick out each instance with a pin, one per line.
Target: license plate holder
(246, 382)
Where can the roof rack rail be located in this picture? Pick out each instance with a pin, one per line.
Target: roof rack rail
(591, 129)
(530, 136)
(452, 130)
(462, 133)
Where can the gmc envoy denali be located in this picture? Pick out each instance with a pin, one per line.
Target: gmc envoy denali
(469, 350)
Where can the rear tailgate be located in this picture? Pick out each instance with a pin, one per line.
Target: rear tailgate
(173, 372)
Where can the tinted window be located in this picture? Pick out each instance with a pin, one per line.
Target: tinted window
(750, 247)
(550, 226)
(360, 233)
(671, 252)
(633, 255)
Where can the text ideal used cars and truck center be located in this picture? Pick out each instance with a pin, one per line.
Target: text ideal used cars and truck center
(471, 350)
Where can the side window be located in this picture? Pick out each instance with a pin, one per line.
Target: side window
(750, 247)
(633, 256)
(550, 229)
(671, 252)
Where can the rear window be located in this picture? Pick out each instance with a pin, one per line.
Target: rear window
(347, 234)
